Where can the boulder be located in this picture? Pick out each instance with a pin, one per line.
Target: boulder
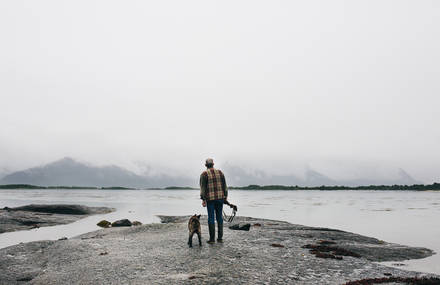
(239, 227)
(104, 224)
(136, 223)
(122, 223)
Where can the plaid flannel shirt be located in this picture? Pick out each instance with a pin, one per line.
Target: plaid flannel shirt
(213, 185)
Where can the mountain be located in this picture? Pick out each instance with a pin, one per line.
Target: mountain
(406, 179)
(238, 176)
(314, 178)
(68, 172)
(401, 178)
(2, 173)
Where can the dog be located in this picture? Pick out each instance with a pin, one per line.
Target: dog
(194, 228)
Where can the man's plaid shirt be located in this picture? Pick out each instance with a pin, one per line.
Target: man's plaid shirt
(213, 185)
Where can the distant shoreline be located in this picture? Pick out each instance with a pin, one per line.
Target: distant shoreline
(415, 187)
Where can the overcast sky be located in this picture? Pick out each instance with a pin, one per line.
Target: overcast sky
(344, 87)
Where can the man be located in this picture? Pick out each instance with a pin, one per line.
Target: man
(213, 192)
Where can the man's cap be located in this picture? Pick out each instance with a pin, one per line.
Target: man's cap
(209, 161)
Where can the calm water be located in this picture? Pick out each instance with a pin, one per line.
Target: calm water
(410, 218)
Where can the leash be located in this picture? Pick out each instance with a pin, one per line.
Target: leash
(230, 218)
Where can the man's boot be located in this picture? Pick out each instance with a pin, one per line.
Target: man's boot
(220, 232)
(211, 234)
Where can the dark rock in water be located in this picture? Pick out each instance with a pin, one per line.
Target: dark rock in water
(122, 223)
(104, 224)
(136, 223)
(35, 216)
(277, 245)
(239, 227)
(63, 238)
(55, 209)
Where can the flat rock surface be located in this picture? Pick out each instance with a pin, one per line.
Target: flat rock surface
(271, 252)
(37, 215)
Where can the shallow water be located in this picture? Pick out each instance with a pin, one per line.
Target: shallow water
(404, 217)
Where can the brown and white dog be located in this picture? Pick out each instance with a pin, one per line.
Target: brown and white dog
(194, 227)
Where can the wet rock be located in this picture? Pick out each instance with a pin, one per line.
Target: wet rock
(325, 251)
(35, 216)
(122, 223)
(104, 224)
(63, 238)
(158, 254)
(397, 280)
(239, 227)
(136, 223)
(277, 245)
(64, 209)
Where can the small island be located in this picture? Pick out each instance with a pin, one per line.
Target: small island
(414, 187)
(35, 215)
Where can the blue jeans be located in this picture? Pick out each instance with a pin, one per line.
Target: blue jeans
(215, 206)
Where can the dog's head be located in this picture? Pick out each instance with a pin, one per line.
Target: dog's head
(194, 222)
(196, 216)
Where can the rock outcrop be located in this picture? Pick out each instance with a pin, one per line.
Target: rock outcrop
(272, 252)
(35, 216)
(63, 209)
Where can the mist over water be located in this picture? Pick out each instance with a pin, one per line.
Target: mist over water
(271, 86)
(404, 217)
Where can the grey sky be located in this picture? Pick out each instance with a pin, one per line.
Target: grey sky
(349, 88)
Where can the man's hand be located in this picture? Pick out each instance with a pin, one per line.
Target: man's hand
(204, 203)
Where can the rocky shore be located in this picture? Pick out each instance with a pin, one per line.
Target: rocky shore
(35, 216)
(270, 252)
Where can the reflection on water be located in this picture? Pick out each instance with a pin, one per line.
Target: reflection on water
(401, 217)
